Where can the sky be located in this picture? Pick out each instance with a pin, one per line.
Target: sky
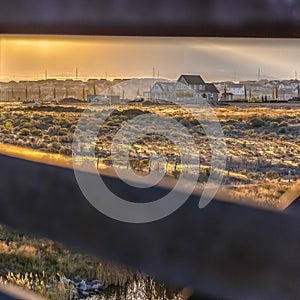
(215, 59)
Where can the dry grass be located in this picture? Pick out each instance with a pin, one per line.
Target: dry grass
(264, 144)
(39, 265)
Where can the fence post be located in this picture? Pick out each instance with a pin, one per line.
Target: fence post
(229, 160)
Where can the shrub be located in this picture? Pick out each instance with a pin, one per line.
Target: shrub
(228, 127)
(257, 122)
(65, 151)
(47, 138)
(282, 130)
(25, 131)
(54, 130)
(56, 145)
(73, 128)
(8, 124)
(25, 125)
(5, 131)
(272, 174)
(63, 131)
(202, 176)
(176, 173)
(64, 123)
(283, 124)
(36, 132)
(185, 123)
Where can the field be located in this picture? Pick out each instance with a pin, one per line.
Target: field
(263, 159)
(263, 143)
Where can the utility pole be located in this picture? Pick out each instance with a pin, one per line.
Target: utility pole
(46, 75)
(153, 72)
(76, 73)
(258, 74)
(295, 75)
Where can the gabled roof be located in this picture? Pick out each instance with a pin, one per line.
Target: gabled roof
(192, 79)
(210, 87)
(166, 86)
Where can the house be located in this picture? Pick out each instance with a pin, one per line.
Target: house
(225, 96)
(193, 81)
(173, 91)
(162, 90)
(196, 82)
(188, 88)
(287, 94)
(262, 93)
(237, 90)
(211, 92)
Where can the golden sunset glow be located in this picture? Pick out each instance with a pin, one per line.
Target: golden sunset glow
(32, 57)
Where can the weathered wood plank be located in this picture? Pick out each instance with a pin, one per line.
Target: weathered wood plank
(224, 250)
(256, 18)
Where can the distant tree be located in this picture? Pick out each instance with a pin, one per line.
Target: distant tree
(26, 93)
(83, 93)
(276, 91)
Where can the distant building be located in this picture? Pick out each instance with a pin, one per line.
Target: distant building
(287, 93)
(162, 90)
(262, 93)
(186, 88)
(195, 82)
(238, 91)
(174, 91)
(211, 92)
(225, 96)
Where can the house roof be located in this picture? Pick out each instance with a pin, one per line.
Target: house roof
(210, 87)
(192, 79)
(166, 86)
